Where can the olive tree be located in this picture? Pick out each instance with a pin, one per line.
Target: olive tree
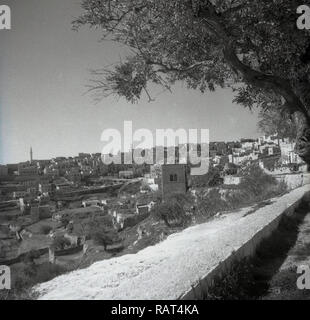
(254, 47)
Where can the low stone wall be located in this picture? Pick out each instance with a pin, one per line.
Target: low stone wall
(246, 250)
(294, 180)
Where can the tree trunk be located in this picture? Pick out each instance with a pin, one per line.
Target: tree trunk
(302, 147)
(282, 87)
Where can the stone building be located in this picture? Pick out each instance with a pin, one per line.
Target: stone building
(27, 170)
(174, 179)
(126, 174)
(4, 170)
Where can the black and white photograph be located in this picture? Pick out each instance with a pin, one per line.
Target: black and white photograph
(154, 154)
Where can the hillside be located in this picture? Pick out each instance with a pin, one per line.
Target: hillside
(168, 269)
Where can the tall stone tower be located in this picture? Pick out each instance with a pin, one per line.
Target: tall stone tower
(31, 155)
(173, 179)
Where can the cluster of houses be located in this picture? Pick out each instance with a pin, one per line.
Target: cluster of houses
(30, 178)
(28, 186)
(33, 182)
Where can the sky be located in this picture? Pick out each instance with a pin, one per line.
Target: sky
(44, 70)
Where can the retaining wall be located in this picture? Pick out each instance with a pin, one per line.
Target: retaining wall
(246, 250)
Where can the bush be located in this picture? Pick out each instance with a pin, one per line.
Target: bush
(171, 211)
(256, 186)
(92, 225)
(48, 271)
(103, 236)
(60, 243)
(64, 221)
(255, 181)
(236, 284)
(210, 179)
(46, 229)
(31, 256)
(212, 203)
(26, 276)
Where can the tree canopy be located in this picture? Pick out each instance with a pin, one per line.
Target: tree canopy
(274, 122)
(254, 47)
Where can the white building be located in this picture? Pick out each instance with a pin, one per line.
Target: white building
(232, 180)
(288, 154)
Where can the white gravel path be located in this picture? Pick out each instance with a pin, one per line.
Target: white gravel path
(167, 270)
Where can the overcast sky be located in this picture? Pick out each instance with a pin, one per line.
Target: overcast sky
(44, 70)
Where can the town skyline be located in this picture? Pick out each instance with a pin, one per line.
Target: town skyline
(32, 157)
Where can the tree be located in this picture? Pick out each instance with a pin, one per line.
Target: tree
(171, 212)
(105, 236)
(251, 46)
(211, 179)
(60, 243)
(274, 122)
(255, 181)
(45, 229)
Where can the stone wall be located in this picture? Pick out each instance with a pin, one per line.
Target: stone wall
(246, 250)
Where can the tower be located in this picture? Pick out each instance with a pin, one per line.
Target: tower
(31, 155)
(173, 179)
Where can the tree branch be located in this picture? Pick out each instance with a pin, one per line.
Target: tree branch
(256, 78)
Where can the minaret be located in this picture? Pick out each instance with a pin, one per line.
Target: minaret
(31, 154)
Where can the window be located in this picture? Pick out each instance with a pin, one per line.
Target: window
(173, 177)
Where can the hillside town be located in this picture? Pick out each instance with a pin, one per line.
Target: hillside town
(51, 209)
(154, 150)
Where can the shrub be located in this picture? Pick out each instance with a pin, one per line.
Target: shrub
(256, 186)
(210, 179)
(48, 271)
(171, 211)
(236, 284)
(60, 243)
(64, 221)
(28, 275)
(46, 229)
(255, 181)
(93, 225)
(212, 203)
(103, 236)
(31, 256)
